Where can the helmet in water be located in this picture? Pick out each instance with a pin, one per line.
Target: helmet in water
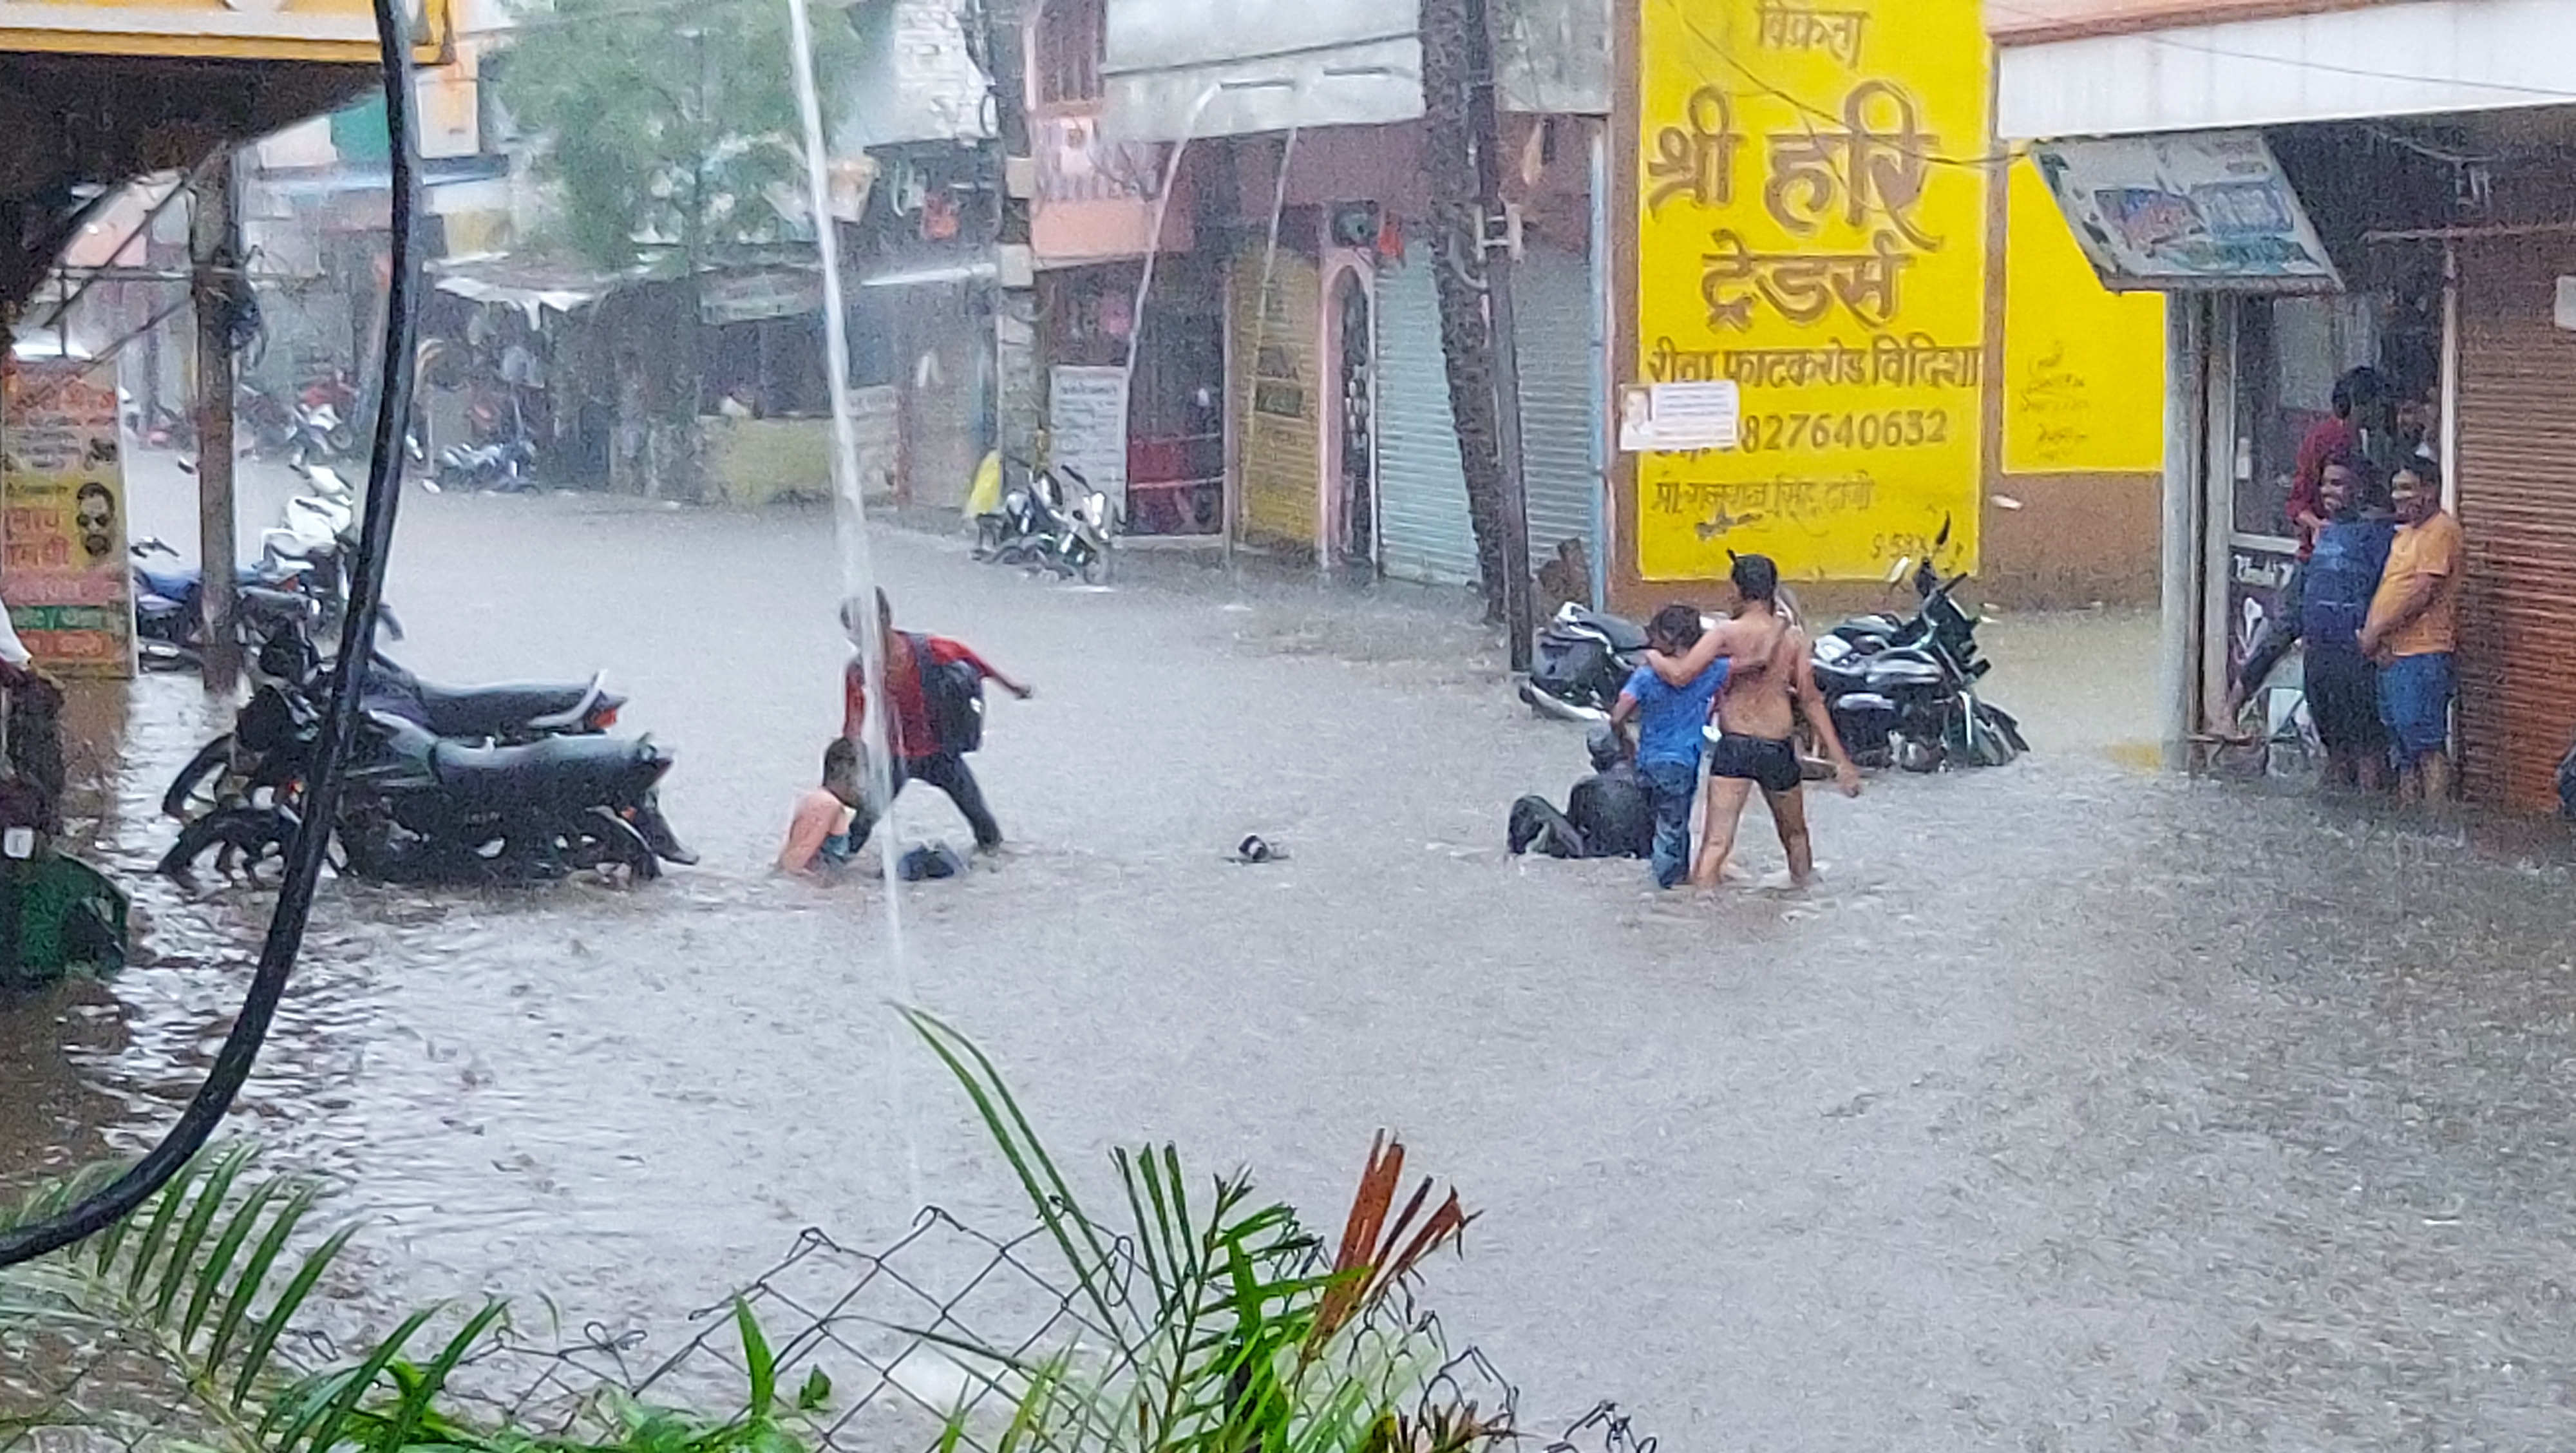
(1603, 742)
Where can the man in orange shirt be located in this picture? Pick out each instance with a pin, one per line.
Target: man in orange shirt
(2413, 630)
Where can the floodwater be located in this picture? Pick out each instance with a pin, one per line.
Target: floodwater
(2081, 1107)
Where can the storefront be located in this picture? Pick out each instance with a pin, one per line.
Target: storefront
(2434, 249)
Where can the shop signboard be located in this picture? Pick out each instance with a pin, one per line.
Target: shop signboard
(1087, 427)
(65, 575)
(1811, 222)
(341, 32)
(2192, 211)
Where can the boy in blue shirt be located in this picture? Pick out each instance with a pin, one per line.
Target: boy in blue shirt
(1672, 722)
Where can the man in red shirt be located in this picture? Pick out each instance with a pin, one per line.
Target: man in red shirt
(915, 751)
(2358, 393)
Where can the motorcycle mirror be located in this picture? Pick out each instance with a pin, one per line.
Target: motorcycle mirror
(1896, 572)
(1944, 537)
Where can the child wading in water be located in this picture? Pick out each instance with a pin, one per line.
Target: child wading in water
(819, 834)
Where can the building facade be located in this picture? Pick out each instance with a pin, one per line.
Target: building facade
(2318, 187)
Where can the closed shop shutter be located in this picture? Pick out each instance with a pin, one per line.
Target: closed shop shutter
(2517, 506)
(1423, 529)
(1552, 296)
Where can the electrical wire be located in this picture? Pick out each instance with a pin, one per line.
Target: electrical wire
(233, 1062)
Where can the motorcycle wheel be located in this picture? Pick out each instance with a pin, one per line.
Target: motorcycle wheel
(1916, 756)
(1095, 570)
(195, 786)
(258, 833)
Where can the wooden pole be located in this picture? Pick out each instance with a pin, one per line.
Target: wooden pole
(214, 247)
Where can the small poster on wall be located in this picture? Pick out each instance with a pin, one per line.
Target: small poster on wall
(1678, 418)
(66, 579)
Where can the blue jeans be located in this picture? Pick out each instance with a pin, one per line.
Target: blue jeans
(2415, 701)
(1671, 785)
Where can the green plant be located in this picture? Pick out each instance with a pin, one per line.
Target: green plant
(1224, 1325)
(187, 1325)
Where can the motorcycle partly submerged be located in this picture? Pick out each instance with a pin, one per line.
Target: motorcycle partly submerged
(421, 807)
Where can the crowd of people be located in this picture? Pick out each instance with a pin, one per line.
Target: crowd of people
(2373, 602)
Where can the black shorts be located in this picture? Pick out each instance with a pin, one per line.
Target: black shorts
(1773, 766)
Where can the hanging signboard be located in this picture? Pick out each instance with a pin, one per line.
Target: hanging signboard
(1811, 222)
(65, 575)
(2193, 211)
(1087, 428)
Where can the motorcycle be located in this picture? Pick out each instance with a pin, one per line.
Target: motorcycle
(169, 620)
(418, 807)
(503, 467)
(1037, 528)
(1583, 660)
(1903, 690)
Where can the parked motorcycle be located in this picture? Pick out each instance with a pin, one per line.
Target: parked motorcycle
(169, 617)
(505, 467)
(418, 807)
(1903, 690)
(1584, 659)
(1037, 527)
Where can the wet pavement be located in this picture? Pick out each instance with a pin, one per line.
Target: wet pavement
(2080, 1108)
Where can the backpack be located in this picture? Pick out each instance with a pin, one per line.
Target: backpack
(952, 694)
(2340, 578)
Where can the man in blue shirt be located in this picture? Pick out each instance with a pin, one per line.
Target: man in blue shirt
(1672, 723)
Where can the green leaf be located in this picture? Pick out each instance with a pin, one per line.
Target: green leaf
(816, 1392)
(757, 1359)
(263, 1343)
(213, 1191)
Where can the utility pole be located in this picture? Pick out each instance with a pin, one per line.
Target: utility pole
(215, 249)
(1462, 160)
(1017, 406)
(1484, 127)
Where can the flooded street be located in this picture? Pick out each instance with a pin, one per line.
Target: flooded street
(2080, 1108)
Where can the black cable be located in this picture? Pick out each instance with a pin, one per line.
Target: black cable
(214, 1099)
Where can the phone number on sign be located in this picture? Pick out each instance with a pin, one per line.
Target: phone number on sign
(1893, 429)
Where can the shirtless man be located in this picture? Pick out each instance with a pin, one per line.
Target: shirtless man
(1772, 680)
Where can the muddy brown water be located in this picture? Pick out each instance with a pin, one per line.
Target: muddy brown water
(2080, 1108)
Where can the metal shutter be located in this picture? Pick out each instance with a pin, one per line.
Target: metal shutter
(1560, 422)
(2517, 506)
(1423, 530)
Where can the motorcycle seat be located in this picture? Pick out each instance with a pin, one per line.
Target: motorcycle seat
(565, 771)
(1869, 628)
(1622, 634)
(507, 708)
(175, 582)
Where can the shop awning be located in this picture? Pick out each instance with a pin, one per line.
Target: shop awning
(979, 270)
(530, 284)
(2430, 57)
